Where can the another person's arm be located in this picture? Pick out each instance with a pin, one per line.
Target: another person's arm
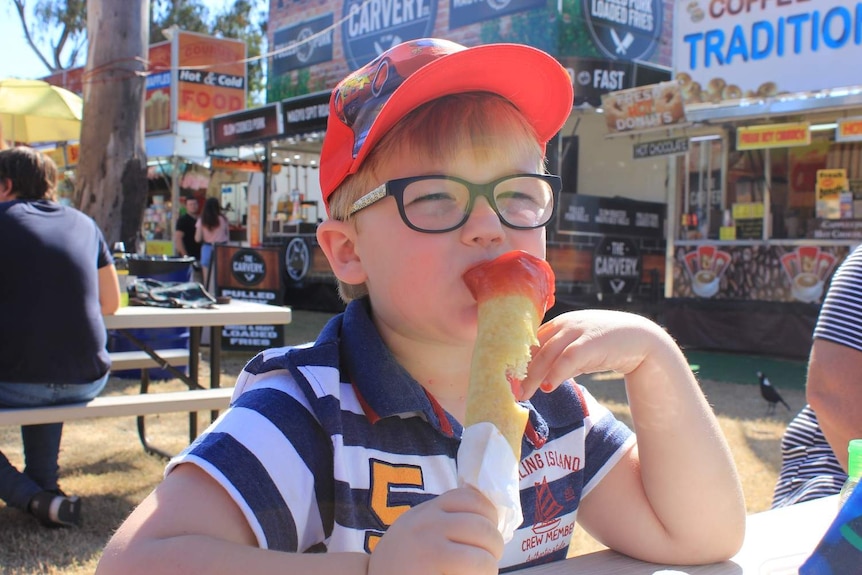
(109, 290)
(179, 246)
(199, 231)
(835, 393)
(675, 497)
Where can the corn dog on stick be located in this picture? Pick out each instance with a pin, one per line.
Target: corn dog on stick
(513, 292)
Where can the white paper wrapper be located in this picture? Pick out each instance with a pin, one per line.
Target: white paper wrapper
(486, 462)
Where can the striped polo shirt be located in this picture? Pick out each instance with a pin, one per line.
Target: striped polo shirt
(809, 468)
(324, 446)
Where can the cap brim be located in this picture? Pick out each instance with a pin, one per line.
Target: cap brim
(529, 78)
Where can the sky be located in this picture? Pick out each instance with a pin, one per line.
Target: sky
(18, 60)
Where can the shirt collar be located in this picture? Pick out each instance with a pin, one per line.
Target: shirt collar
(386, 389)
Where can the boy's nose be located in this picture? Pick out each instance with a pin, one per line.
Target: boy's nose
(483, 225)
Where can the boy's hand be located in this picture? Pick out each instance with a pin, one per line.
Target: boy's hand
(455, 533)
(591, 341)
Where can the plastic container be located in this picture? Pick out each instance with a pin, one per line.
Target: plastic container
(854, 470)
(161, 268)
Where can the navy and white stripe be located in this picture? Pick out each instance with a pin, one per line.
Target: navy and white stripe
(324, 446)
(809, 468)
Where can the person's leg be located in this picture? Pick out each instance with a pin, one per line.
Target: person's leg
(42, 442)
(36, 490)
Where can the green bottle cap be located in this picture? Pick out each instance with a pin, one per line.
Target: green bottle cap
(854, 459)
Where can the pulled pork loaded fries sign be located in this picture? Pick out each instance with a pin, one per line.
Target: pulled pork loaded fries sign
(249, 275)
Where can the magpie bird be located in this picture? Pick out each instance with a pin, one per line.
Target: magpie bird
(770, 394)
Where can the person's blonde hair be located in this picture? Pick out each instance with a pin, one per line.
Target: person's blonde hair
(487, 124)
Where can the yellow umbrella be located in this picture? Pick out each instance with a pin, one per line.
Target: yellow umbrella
(36, 111)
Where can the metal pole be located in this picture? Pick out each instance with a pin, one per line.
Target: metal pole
(175, 201)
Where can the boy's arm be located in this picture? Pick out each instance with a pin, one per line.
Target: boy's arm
(675, 497)
(189, 524)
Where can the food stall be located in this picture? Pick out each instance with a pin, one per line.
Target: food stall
(279, 146)
(767, 201)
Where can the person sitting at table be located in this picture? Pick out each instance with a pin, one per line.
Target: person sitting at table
(340, 457)
(57, 281)
(814, 445)
(212, 228)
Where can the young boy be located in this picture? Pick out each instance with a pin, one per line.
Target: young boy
(348, 446)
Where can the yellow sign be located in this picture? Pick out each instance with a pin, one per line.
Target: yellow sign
(773, 136)
(849, 130)
(160, 248)
(834, 200)
(747, 211)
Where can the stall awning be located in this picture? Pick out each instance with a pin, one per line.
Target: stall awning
(786, 105)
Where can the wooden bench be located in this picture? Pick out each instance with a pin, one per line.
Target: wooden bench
(141, 404)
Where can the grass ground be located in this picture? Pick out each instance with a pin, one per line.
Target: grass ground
(103, 462)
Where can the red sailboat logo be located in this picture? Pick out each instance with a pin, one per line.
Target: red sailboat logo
(546, 508)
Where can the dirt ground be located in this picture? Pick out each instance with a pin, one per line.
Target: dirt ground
(102, 461)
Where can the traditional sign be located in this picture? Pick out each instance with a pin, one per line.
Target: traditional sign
(646, 108)
(773, 136)
(670, 147)
(371, 28)
(610, 216)
(849, 130)
(302, 44)
(727, 50)
(617, 266)
(465, 12)
(624, 29)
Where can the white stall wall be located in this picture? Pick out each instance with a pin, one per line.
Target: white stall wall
(606, 166)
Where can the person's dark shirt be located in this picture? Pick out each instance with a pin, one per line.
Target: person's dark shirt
(186, 225)
(51, 327)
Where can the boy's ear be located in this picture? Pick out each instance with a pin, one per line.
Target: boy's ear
(338, 241)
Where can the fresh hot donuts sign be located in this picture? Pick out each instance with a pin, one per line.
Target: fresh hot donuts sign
(727, 50)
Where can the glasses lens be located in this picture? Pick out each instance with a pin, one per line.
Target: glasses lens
(435, 204)
(525, 201)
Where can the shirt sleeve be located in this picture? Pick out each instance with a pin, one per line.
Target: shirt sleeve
(841, 313)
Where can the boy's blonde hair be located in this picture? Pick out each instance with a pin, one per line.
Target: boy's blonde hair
(485, 124)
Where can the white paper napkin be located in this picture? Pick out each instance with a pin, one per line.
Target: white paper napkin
(486, 462)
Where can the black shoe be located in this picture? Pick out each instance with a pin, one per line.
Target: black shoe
(54, 509)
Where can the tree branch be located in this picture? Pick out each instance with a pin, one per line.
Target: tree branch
(22, 15)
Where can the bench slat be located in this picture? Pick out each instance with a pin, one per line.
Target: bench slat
(121, 360)
(120, 405)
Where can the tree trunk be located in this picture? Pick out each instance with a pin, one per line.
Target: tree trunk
(112, 170)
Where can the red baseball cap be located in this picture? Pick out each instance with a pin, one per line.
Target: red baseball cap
(371, 100)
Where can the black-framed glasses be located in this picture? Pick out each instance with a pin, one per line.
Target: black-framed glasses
(437, 204)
